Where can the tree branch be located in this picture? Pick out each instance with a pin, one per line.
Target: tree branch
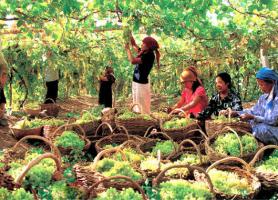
(249, 13)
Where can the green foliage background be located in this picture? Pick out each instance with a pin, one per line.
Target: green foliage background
(85, 36)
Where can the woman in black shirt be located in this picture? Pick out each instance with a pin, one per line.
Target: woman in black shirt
(141, 92)
(225, 98)
(105, 90)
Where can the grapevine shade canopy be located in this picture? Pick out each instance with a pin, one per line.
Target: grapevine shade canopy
(87, 35)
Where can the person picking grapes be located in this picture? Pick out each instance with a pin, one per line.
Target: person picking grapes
(105, 90)
(194, 98)
(141, 91)
(263, 116)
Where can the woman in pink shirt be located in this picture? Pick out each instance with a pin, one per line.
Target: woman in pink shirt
(193, 98)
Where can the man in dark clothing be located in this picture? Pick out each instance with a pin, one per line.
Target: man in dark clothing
(105, 90)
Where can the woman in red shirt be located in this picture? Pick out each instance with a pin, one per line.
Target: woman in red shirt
(193, 98)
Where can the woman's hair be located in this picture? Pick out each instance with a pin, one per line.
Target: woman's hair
(195, 85)
(226, 78)
(109, 69)
(269, 81)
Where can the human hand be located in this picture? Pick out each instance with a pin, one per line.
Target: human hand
(246, 117)
(126, 45)
(223, 112)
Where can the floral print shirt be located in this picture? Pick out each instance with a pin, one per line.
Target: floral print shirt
(216, 104)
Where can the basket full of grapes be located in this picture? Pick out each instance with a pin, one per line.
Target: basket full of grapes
(229, 142)
(219, 122)
(232, 182)
(182, 188)
(135, 123)
(267, 169)
(179, 128)
(25, 127)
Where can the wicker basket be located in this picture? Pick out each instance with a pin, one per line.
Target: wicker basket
(136, 126)
(89, 127)
(20, 133)
(14, 152)
(52, 109)
(31, 111)
(180, 134)
(49, 130)
(147, 146)
(116, 139)
(253, 180)
(107, 181)
(57, 175)
(161, 176)
(66, 151)
(214, 155)
(269, 180)
(182, 149)
(214, 127)
(118, 185)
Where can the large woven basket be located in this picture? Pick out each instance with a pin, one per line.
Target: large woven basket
(136, 126)
(52, 109)
(214, 127)
(121, 184)
(161, 176)
(49, 130)
(214, 155)
(180, 134)
(15, 151)
(89, 127)
(57, 175)
(148, 145)
(91, 193)
(253, 180)
(269, 180)
(116, 139)
(20, 133)
(185, 149)
(58, 132)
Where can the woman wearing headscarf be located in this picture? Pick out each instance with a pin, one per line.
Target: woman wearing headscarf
(141, 91)
(193, 98)
(225, 98)
(263, 116)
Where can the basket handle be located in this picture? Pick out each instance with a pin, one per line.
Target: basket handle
(53, 148)
(181, 147)
(90, 114)
(136, 104)
(101, 125)
(156, 181)
(51, 100)
(135, 185)
(177, 109)
(132, 142)
(245, 164)
(165, 136)
(253, 161)
(59, 128)
(151, 128)
(57, 174)
(200, 131)
(79, 127)
(105, 151)
(238, 138)
(124, 129)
